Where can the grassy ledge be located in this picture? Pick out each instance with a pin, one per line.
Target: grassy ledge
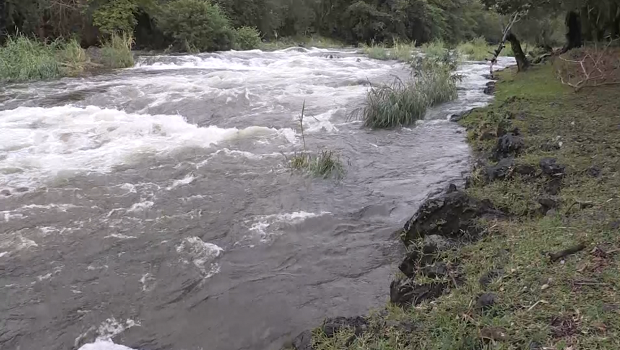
(572, 303)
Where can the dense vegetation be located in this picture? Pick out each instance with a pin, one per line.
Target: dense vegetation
(215, 24)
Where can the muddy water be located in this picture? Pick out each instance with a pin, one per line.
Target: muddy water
(150, 207)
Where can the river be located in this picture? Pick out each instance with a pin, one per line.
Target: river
(151, 207)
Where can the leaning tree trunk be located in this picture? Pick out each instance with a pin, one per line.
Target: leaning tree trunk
(2, 21)
(522, 62)
(573, 36)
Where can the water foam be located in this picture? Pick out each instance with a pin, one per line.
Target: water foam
(267, 226)
(201, 254)
(42, 143)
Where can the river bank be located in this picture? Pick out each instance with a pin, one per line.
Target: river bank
(526, 255)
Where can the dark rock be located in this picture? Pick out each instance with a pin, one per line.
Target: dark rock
(508, 145)
(547, 203)
(303, 341)
(490, 88)
(488, 77)
(551, 168)
(415, 258)
(553, 186)
(452, 215)
(490, 276)
(485, 301)
(406, 292)
(459, 116)
(451, 188)
(438, 270)
(436, 243)
(5, 193)
(534, 346)
(525, 169)
(331, 326)
(594, 171)
(499, 171)
(550, 146)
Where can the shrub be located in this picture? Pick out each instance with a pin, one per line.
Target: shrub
(247, 38)
(73, 58)
(197, 25)
(476, 50)
(116, 51)
(116, 17)
(24, 59)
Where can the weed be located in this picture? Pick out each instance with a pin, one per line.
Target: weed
(116, 51)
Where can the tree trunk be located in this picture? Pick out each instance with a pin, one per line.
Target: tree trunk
(522, 62)
(3, 15)
(573, 36)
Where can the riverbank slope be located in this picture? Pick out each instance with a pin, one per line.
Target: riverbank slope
(542, 275)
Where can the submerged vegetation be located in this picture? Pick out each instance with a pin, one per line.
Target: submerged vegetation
(325, 163)
(403, 103)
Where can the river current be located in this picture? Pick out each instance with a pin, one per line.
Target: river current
(151, 208)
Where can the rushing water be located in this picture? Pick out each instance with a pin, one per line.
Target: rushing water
(151, 206)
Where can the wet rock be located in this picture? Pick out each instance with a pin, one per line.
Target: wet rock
(485, 301)
(550, 167)
(490, 88)
(451, 188)
(459, 116)
(499, 171)
(489, 277)
(553, 186)
(508, 145)
(438, 270)
(416, 258)
(331, 326)
(22, 189)
(406, 292)
(534, 346)
(594, 171)
(525, 170)
(5, 193)
(303, 341)
(452, 215)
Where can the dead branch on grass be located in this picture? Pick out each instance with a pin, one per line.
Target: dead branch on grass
(589, 67)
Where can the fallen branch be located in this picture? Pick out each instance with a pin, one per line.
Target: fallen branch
(564, 253)
(593, 69)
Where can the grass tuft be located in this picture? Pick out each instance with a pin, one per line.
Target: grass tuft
(25, 59)
(400, 51)
(116, 51)
(325, 163)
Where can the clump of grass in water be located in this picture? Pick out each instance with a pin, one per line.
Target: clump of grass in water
(116, 51)
(399, 51)
(403, 103)
(324, 164)
(73, 57)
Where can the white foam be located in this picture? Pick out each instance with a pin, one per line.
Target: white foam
(140, 206)
(201, 254)
(265, 226)
(184, 181)
(3, 254)
(103, 345)
(39, 143)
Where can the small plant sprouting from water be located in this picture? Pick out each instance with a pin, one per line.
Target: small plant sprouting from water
(324, 164)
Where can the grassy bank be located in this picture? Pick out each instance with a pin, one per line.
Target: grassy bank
(572, 303)
(26, 59)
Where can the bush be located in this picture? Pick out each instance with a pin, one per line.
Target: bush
(116, 51)
(247, 38)
(25, 59)
(116, 17)
(476, 50)
(197, 25)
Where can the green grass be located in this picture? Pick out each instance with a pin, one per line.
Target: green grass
(324, 164)
(305, 41)
(24, 59)
(400, 51)
(116, 51)
(479, 50)
(435, 49)
(570, 305)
